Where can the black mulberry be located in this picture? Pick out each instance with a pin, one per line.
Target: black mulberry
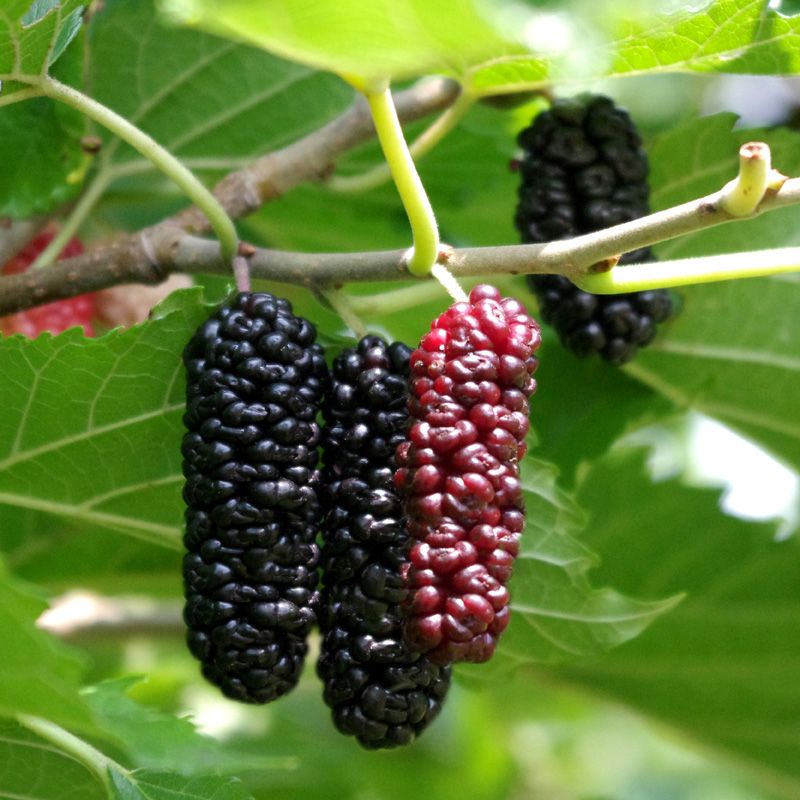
(379, 689)
(584, 169)
(255, 385)
(471, 378)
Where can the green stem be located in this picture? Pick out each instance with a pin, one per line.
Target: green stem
(422, 145)
(95, 761)
(22, 94)
(688, 271)
(154, 152)
(412, 192)
(70, 227)
(342, 305)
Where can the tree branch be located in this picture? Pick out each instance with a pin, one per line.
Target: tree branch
(169, 250)
(148, 256)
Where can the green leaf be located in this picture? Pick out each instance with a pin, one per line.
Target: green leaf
(40, 676)
(40, 154)
(722, 666)
(369, 39)
(558, 615)
(151, 785)
(720, 356)
(76, 413)
(215, 104)
(33, 35)
(158, 741)
(33, 769)
(746, 36)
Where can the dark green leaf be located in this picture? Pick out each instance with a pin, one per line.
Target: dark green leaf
(722, 666)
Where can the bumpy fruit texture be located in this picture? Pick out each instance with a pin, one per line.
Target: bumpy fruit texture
(255, 385)
(584, 169)
(379, 689)
(471, 378)
(54, 317)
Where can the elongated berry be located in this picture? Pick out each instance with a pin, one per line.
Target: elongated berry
(255, 385)
(583, 169)
(380, 690)
(458, 471)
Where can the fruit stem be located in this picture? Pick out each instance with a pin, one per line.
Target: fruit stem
(154, 152)
(688, 271)
(70, 227)
(741, 196)
(422, 145)
(412, 192)
(340, 303)
(241, 272)
(451, 285)
(95, 761)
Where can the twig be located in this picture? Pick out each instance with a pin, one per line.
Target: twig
(174, 251)
(147, 257)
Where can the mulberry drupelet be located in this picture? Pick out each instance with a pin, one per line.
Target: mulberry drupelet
(471, 378)
(584, 169)
(380, 690)
(255, 385)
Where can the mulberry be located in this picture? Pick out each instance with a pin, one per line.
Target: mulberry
(584, 169)
(255, 385)
(471, 378)
(380, 690)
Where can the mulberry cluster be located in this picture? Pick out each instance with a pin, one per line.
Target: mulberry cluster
(471, 378)
(584, 169)
(255, 385)
(380, 690)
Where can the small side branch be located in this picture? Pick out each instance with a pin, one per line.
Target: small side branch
(166, 248)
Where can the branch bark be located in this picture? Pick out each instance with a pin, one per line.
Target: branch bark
(166, 249)
(148, 256)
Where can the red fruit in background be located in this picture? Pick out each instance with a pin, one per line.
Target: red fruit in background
(54, 317)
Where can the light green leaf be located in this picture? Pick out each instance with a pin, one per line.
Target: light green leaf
(39, 675)
(76, 413)
(152, 785)
(163, 742)
(747, 36)
(369, 39)
(33, 769)
(33, 35)
(722, 666)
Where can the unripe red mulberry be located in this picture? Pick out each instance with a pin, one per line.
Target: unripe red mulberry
(471, 378)
(255, 381)
(380, 690)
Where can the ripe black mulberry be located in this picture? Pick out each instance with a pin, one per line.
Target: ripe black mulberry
(471, 378)
(584, 169)
(380, 690)
(255, 385)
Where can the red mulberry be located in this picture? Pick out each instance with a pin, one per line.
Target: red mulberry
(584, 169)
(471, 378)
(255, 385)
(380, 690)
